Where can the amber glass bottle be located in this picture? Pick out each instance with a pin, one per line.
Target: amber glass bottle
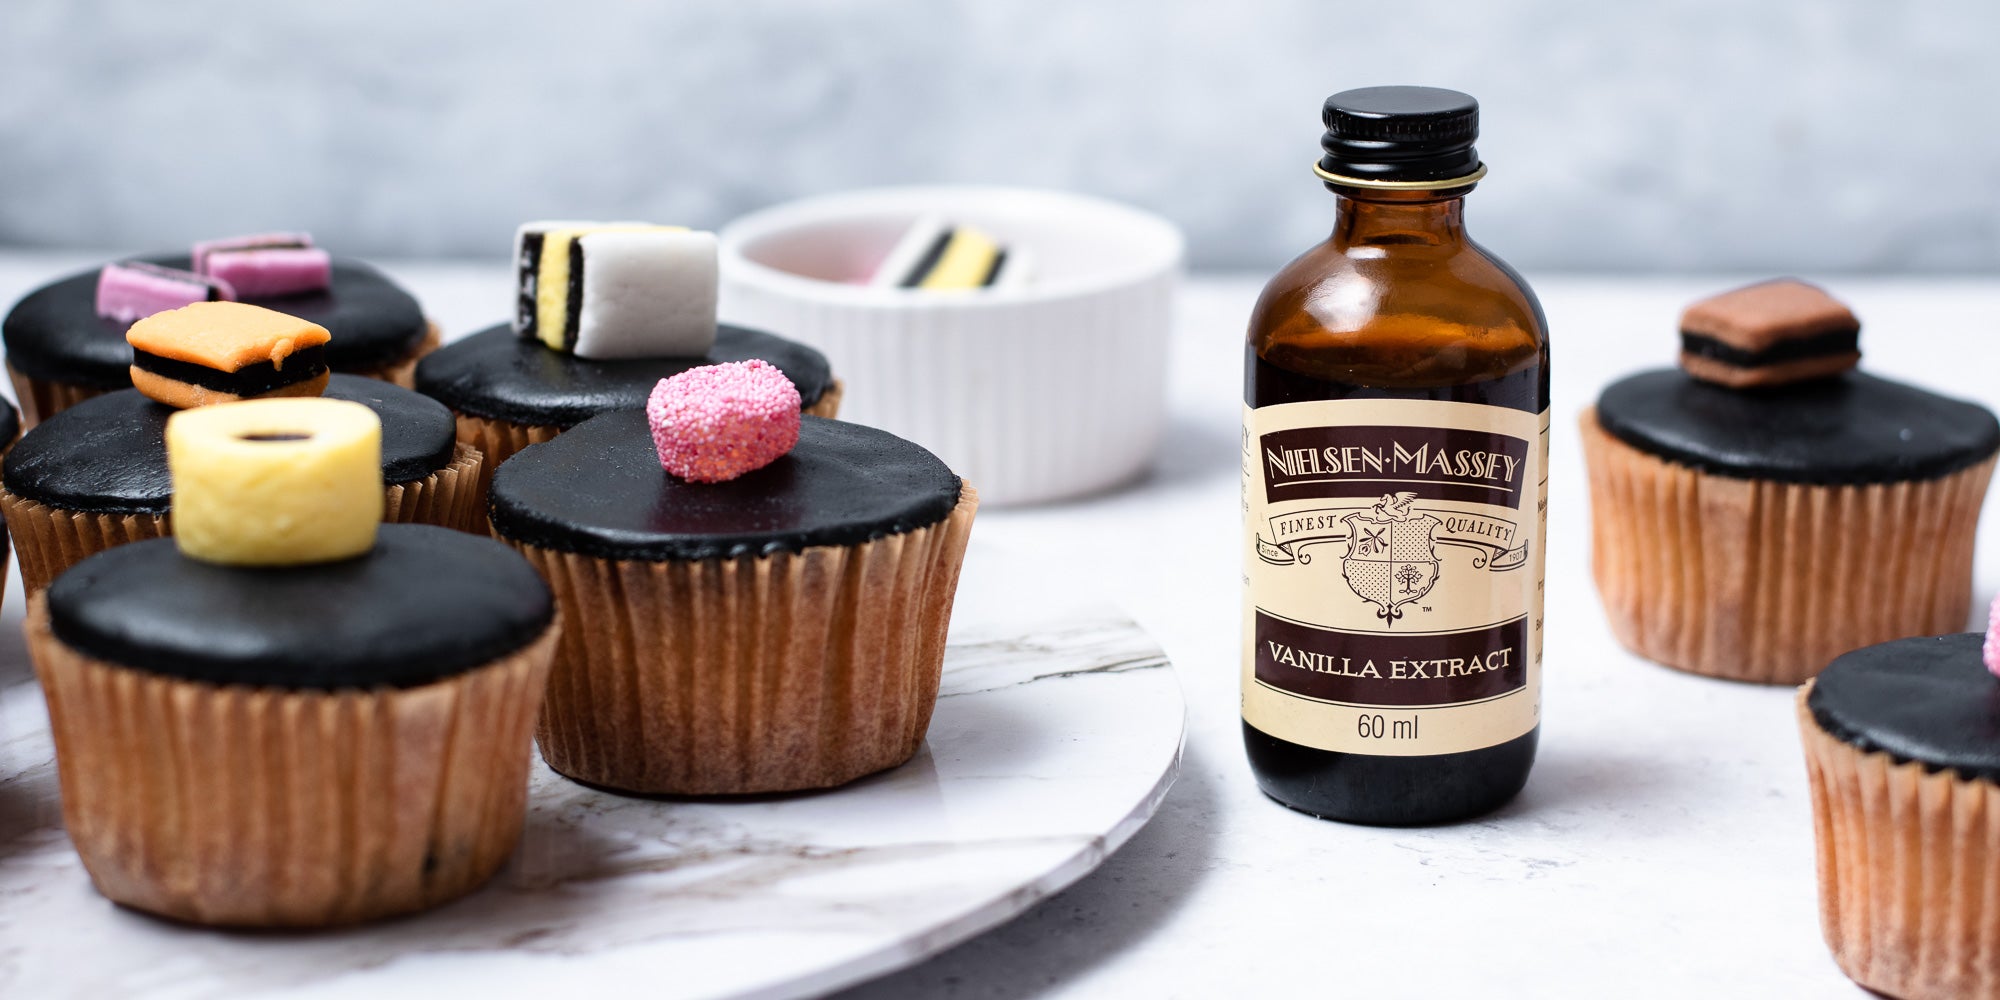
(1395, 446)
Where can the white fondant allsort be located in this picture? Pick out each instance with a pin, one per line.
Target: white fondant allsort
(647, 294)
(909, 250)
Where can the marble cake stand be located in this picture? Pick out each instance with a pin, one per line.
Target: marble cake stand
(1057, 734)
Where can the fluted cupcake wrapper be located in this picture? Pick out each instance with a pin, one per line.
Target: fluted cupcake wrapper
(263, 807)
(448, 497)
(1762, 581)
(755, 674)
(1909, 870)
(51, 539)
(500, 440)
(41, 399)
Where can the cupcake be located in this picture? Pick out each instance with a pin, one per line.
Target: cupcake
(760, 600)
(283, 717)
(1902, 744)
(603, 312)
(66, 340)
(95, 475)
(1767, 507)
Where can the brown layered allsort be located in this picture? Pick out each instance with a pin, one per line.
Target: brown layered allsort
(1763, 581)
(250, 806)
(51, 539)
(771, 673)
(1909, 869)
(1769, 334)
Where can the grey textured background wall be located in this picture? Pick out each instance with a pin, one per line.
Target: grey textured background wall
(1717, 134)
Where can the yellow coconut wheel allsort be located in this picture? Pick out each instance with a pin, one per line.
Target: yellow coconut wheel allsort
(276, 482)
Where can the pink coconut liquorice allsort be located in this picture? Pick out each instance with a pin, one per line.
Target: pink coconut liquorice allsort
(718, 422)
(132, 290)
(266, 265)
(1993, 638)
(255, 241)
(273, 272)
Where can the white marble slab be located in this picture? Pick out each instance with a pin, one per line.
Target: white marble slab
(1057, 733)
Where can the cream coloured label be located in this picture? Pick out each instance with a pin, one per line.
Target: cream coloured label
(1393, 573)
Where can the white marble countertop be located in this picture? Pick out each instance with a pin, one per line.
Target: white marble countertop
(1663, 845)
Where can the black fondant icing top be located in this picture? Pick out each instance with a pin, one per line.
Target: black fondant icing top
(599, 490)
(108, 454)
(55, 334)
(1849, 429)
(1928, 700)
(502, 376)
(426, 603)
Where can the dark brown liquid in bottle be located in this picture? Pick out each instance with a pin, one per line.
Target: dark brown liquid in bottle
(1398, 303)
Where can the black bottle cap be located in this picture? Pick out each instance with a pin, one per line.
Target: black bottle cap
(1399, 136)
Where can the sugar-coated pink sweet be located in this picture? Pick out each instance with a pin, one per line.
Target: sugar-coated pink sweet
(134, 290)
(254, 241)
(1993, 638)
(266, 273)
(715, 423)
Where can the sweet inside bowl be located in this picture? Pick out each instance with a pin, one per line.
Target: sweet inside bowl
(1049, 390)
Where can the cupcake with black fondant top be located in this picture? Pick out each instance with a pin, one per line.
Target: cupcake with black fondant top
(66, 340)
(1902, 745)
(95, 475)
(603, 312)
(759, 600)
(284, 716)
(1767, 507)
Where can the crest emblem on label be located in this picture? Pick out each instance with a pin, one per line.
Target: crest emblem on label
(1391, 555)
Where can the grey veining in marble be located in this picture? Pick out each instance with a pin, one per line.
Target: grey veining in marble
(1786, 135)
(1057, 734)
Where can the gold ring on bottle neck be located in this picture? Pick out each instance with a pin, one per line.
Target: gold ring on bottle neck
(1366, 182)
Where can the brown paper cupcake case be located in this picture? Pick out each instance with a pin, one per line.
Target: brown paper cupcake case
(261, 807)
(755, 674)
(499, 440)
(50, 539)
(1909, 870)
(1762, 581)
(42, 399)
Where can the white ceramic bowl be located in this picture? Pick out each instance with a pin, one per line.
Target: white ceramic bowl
(1051, 390)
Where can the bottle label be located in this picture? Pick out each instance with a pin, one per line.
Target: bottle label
(1393, 573)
